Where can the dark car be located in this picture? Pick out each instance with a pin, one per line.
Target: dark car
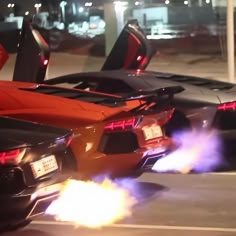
(204, 103)
(31, 157)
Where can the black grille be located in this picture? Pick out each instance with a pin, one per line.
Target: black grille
(148, 162)
(118, 142)
(11, 181)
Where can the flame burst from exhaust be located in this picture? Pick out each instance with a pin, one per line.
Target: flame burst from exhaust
(199, 152)
(92, 204)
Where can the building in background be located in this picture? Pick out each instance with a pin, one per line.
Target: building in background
(160, 19)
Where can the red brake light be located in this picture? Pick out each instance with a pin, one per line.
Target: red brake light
(9, 156)
(121, 124)
(227, 106)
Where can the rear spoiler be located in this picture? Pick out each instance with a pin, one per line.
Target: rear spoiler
(158, 93)
(152, 100)
(146, 95)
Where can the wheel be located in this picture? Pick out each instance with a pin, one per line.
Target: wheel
(178, 122)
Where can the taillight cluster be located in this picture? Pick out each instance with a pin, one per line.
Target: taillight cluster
(122, 125)
(11, 157)
(227, 106)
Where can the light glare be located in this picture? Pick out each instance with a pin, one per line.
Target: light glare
(81, 9)
(199, 151)
(10, 5)
(92, 204)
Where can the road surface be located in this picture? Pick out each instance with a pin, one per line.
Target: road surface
(169, 205)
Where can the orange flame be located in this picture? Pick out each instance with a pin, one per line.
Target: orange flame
(92, 205)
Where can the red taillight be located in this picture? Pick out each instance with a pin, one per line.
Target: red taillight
(9, 156)
(227, 106)
(121, 124)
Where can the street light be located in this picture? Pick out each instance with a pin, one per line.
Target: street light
(63, 4)
(37, 7)
(11, 5)
(137, 3)
(81, 9)
(88, 4)
(120, 8)
(11, 8)
(63, 10)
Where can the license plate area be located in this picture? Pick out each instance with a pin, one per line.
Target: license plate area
(152, 132)
(44, 166)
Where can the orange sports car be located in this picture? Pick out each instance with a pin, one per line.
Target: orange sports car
(110, 137)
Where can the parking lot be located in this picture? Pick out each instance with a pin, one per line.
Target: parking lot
(168, 204)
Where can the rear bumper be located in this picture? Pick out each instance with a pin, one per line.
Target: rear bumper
(28, 204)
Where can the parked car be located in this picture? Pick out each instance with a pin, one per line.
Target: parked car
(31, 157)
(110, 137)
(204, 103)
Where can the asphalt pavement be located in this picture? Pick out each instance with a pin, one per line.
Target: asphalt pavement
(169, 205)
